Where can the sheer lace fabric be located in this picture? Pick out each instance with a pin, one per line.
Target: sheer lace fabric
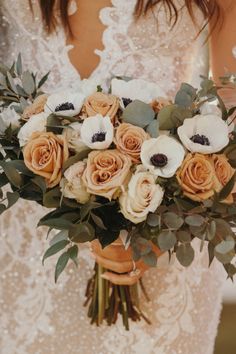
(38, 317)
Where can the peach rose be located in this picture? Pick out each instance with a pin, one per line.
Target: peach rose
(35, 108)
(106, 172)
(197, 177)
(101, 103)
(129, 140)
(224, 172)
(45, 154)
(160, 103)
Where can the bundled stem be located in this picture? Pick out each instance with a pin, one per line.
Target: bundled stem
(106, 301)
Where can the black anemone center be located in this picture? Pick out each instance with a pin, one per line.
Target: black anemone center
(159, 160)
(200, 139)
(99, 137)
(66, 106)
(126, 101)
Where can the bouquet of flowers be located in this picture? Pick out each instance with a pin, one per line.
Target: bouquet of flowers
(128, 164)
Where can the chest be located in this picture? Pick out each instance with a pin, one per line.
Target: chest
(87, 32)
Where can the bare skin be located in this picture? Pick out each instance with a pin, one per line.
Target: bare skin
(87, 31)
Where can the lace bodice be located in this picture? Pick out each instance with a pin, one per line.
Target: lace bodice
(38, 317)
(147, 48)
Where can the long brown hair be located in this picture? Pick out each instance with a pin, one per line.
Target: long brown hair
(210, 9)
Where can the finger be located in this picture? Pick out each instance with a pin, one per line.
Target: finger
(118, 267)
(116, 253)
(124, 279)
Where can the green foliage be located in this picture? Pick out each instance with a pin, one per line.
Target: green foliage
(138, 113)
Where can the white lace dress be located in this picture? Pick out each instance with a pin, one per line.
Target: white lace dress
(39, 317)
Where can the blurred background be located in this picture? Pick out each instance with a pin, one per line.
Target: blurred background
(226, 339)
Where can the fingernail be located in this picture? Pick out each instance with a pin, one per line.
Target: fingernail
(104, 276)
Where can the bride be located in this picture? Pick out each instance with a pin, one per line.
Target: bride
(159, 41)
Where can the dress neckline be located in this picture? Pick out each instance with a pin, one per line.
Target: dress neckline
(105, 15)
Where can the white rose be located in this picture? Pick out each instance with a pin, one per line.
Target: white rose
(210, 108)
(73, 137)
(97, 132)
(65, 103)
(72, 186)
(137, 89)
(9, 117)
(162, 156)
(206, 134)
(36, 123)
(142, 197)
(88, 86)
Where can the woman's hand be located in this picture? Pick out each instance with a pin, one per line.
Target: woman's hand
(116, 259)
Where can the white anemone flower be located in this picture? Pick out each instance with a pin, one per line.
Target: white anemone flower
(97, 132)
(162, 156)
(36, 123)
(136, 89)
(65, 104)
(206, 134)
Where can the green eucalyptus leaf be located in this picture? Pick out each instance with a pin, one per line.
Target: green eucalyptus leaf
(150, 259)
(224, 258)
(138, 113)
(73, 254)
(52, 198)
(2, 208)
(211, 230)
(184, 236)
(98, 221)
(166, 240)
(60, 236)
(183, 99)
(153, 128)
(61, 264)
(56, 223)
(12, 198)
(11, 173)
(40, 182)
(11, 82)
(211, 252)
(43, 80)
(195, 220)
(226, 245)
(185, 254)
(172, 220)
(165, 117)
(223, 228)
(57, 247)
(28, 82)
(153, 220)
(19, 65)
(81, 233)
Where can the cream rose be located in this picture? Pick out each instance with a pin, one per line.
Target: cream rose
(45, 154)
(72, 186)
(106, 172)
(129, 140)
(197, 177)
(143, 196)
(36, 107)
(36, 123)
(101, 103)
(72, 134)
